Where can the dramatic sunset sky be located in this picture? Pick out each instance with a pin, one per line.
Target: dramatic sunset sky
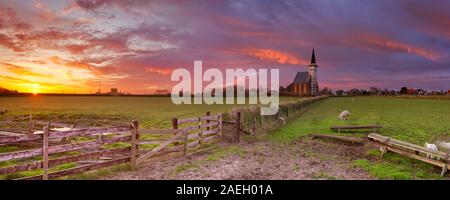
(74, 46)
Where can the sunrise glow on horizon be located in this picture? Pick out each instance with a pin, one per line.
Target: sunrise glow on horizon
(86, 46)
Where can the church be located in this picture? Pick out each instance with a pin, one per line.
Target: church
(305, 83)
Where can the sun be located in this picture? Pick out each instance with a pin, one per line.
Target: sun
(35, 88)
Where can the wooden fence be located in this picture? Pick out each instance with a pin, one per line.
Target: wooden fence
(249, 120)
(95, 148)
(49, 156)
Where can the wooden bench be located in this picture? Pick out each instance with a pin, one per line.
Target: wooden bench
(357, 127)
(441, 159)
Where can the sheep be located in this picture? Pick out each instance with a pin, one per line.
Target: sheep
(432, 147)
(345, 115)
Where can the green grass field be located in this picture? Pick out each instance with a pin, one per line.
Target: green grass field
(413, 120)
(151, 112)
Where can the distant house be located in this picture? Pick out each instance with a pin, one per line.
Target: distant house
(304, 83)
(114, 92)
(448, 92)
(411, 91)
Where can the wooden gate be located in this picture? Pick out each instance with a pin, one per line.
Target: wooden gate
(190, 136)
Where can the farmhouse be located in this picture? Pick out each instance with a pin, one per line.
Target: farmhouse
(304, 83)
(114, 92)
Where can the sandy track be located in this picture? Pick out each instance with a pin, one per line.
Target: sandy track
(304, 159)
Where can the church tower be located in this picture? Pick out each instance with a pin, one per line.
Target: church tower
(314, 87)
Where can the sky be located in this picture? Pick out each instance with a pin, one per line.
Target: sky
(79, 46)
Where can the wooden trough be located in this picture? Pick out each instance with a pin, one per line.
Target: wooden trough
(353, 140)
(441, 159)
(369, 128)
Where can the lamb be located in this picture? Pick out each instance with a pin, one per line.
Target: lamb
(432, 147)
(345, 115)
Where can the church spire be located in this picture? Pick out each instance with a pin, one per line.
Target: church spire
(313, 58)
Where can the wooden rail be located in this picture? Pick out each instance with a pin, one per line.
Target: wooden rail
(61, 134)
(31, 124)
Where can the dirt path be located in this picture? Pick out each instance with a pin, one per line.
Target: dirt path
(304, 159)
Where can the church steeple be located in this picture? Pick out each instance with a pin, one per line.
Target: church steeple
(313, 58)
(314, 86)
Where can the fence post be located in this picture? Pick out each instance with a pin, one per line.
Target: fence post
(45, 153)
(134, 143)
(238, 126)
(207, 121)
(254, 124)
(31, 125)
(200, 134)
(220, 126)
(262, 121)
(185, 134)
(175, 127)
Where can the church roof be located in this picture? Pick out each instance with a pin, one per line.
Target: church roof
(301, 78)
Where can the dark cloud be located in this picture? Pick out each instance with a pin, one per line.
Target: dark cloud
(92, 4)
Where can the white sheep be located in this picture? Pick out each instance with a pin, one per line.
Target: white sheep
(432, 147)
(345, 115)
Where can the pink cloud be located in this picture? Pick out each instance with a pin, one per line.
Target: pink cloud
(277, 56)
(381, 42)
(159, 70)
(44, 11)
